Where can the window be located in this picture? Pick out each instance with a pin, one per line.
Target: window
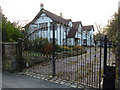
(42, 18)
(85, 41)
(76, 41)
(51, 39)
(88, 32)
(64, 41)
(35, 28)
(51, 26)
(69, 40)
(56, 40)
(43, 26)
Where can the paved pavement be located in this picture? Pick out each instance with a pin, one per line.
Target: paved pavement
(14, 80)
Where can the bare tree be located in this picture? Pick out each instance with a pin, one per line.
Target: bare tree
(20, 24)
(100, 33)
(98, 27)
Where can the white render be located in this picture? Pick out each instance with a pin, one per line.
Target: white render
(60, 29)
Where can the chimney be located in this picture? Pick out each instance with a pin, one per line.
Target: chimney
(41, 6)
(61, 15)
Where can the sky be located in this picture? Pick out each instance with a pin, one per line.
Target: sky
(88, 12)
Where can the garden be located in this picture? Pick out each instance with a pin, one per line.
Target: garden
(41, 50)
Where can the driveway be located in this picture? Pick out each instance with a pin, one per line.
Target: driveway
(76, 69)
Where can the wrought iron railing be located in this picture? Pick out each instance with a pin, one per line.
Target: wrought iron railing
(82, 63)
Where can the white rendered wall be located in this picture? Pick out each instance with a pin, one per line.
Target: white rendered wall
(48, 33)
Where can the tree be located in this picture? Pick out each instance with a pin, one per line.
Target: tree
(12, 33)
(111, 28)
(99, 33)
(98, 27)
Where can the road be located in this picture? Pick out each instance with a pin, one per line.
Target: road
(14, 80)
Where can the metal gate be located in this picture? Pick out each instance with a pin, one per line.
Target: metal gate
(51, 52)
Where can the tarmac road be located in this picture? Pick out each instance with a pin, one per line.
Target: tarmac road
(14, 80)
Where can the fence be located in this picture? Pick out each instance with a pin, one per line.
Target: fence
(79, 59)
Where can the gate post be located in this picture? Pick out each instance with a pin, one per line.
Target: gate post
(109, 71)
(53, 60)
(100, 64)
(105, 61)
(20, 61)
(105, 54)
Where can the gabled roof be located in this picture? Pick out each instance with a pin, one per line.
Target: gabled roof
(54, 17)
(76, 24)
(74, 29)
(68, 19)
(72, 32)
(88, 28)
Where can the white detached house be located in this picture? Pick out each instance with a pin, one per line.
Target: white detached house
(66, 31)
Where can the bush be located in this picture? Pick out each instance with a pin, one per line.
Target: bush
(27, 45)
(47, 48)
(42, 45)
(57, 48)
(74, 47)
(65, 48)
(39, 43)
(78, 48)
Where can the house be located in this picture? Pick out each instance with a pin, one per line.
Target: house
(66, 31)
(74, 34)
(87, 35)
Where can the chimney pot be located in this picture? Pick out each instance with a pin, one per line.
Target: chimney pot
(41, 6)
(61, 15)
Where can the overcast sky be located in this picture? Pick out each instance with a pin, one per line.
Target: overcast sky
(87, 11)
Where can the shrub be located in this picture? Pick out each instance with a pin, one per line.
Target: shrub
(47, 48)
(42, 45)
(76, 47)
(39, 43)
(27, 45)
(72, 46)
(65, 48)
(57, 48)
